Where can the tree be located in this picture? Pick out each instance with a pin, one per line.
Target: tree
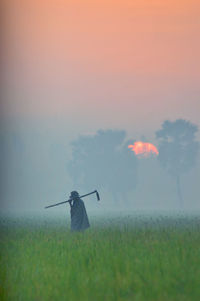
(103, 161)
(178, 149)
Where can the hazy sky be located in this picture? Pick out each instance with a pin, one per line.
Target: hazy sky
(98, 64)
(74, 66)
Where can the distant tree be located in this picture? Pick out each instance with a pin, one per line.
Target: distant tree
(104, 161)
(178, 149)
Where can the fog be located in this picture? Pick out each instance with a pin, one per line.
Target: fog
(81, 81)
(42, 164)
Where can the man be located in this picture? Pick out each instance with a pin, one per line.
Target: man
(79, 218)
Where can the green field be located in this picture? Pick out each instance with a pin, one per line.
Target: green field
(119, 258)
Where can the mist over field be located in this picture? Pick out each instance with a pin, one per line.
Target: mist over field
(36, 162)
(100, 95)
(74, 68)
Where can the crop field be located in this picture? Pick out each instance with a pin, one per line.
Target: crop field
(120, 258)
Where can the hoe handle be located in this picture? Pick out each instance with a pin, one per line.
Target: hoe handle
(82, 196)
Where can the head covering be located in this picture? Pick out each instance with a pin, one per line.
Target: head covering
(74, 194)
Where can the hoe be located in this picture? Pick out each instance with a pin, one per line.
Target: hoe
(82, 196)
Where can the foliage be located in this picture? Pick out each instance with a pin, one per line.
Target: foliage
(178, 148)
(103, 161)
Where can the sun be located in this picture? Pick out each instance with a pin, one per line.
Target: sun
(144, 149)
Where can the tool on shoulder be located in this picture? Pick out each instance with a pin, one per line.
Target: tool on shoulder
(71, 199)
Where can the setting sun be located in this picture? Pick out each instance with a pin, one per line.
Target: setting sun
(144, 149)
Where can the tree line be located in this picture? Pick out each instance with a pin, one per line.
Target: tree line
(104, 160)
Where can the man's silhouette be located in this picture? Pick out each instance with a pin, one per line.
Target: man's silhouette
(79, 218)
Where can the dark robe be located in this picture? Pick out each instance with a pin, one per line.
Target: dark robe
(79, 218)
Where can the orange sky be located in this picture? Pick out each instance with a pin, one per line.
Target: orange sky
(149, 36)
(71, 56)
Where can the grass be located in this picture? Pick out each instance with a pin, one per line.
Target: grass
(125, 258)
